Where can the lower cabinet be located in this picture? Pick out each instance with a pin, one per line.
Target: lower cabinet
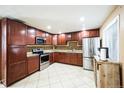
(33, 64)
(107, 74)
(16, 72)
(68, 58)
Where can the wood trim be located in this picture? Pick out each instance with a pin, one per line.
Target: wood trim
(4, 51)
(0, 49)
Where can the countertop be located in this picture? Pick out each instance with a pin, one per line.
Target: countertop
(29, 54)
(66, 51)
(108, 61)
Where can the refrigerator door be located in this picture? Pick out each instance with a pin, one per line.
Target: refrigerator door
(88, 47)
(88, 63)
(96, 45)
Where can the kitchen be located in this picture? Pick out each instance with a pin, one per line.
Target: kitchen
(28, 51)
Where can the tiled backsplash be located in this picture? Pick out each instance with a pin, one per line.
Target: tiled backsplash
(70, 46)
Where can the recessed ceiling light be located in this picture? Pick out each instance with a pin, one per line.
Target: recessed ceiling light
(60, 32)
(83, 28)
(48, 27)
(82, 19)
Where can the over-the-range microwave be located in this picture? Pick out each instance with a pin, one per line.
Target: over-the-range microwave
(39, 40)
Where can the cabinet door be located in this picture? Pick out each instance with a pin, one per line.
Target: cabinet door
(16, 54)
(68, 37)
(30, 35)
(56, 57)
(94, 33)
(91, 33)
(16, 33)
(67, 58)
(40, 33)
(79, 59)
(61, 39)
(48, 39)
(73, 58)
(54, 39)
(80, 38)
(16, 72)
(75, 36)
(62, 57)
(33, 64)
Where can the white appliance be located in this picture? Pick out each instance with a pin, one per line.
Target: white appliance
(90, 48)
(103, 53)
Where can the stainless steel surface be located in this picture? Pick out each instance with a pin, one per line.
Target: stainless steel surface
(90, 48)
(88, 63)
(44, 61)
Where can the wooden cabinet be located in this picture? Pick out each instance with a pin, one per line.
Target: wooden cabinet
(33, 64)
(14, 66)
(75, 36)
(91, 33)
(80, 34)
(16, 54)
(54, 39)
(17, 66)
(56, 57)
(61, 39)
(16, 33)
(40, 33)
(80, 59)
(107, 74)
(30, 35)
(16, 71)
(73, 58)
(0, 50)
(68, 58)
(48, 38)
(68, 36)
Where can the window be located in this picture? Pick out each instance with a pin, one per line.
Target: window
(111, 39)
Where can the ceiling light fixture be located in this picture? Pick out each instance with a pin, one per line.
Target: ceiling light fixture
(48, 27)
(60, 32)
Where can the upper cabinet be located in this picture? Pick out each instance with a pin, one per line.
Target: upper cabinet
(16, 33)
(54, 39)
(68, 36)
(75, 36)
(40, 33)
(80, 34)
(31, 32)
(61, 39)
(49, 39)
(91, 33)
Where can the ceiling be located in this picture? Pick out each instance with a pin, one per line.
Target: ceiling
(60, 18)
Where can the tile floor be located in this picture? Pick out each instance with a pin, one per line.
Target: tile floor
(58, 76)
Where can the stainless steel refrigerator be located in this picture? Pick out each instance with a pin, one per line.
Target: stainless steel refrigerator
(90, 48)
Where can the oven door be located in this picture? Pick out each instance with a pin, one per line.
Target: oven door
(44, 58)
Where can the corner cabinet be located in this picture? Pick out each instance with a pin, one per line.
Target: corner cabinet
(68, 58)
(14, 65)
(61, 39)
